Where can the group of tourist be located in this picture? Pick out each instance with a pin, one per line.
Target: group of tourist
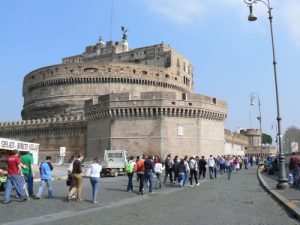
(20, 172)
(180, 170)
(148, 171)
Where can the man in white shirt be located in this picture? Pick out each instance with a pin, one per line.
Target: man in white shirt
(211, 165)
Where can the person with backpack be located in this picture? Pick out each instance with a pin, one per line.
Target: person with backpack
(158, 168)
(149, 169)
(193, 170)
(168, 165)
(129, 170)
(46, 177)
(139, 169)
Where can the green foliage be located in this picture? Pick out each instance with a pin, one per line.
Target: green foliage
(266, 139)
(292, 134)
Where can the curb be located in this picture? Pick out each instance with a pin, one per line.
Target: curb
(289, 205)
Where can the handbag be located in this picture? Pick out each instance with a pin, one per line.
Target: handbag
(69, 180)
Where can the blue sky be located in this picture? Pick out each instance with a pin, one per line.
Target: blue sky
(231, 56)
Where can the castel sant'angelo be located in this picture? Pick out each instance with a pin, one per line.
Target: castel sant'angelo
(114, 97)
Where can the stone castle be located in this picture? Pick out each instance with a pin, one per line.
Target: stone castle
(114, 97)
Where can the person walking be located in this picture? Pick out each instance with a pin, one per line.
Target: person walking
(129, 170)
(228, 166)
(148, 176)
(46, 178)
(168, 165)
(28, 171)
(193, 165)
(96, 169)
(14, 173)
(175, 168)
(139, 169)
(211, 165)
(158, 168)
(202, 167)
(294, 168)
(77, 178)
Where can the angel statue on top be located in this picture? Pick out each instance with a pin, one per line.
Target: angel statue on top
(125, 31)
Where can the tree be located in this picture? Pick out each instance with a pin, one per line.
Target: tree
(292, 134)
(266, 139)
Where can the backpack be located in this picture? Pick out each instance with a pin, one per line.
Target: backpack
(128, 168)
(191, 165)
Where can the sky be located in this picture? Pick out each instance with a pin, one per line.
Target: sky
(232, 57)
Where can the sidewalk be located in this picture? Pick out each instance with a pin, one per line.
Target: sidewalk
(290, 197)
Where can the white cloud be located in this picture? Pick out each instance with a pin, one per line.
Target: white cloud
(177, 11)
(291, 15)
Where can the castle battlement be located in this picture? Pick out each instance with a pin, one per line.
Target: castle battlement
(42, 121)
(152, 104)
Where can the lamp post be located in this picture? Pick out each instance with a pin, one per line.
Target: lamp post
(253, 96)
(282, 180)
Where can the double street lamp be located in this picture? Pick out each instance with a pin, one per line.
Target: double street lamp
(282, 180)
(254, 96)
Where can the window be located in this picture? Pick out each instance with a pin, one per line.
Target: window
(167, 76)
(133, 71)
(144, 72)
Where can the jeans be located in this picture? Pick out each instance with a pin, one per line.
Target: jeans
(158, 182)
(229, 171)
(29, 181)
(181, 178)
(202, 171)
(193, 174)
(211, 172)
(95, 181)
(13, 180)
(41, 188)
(130, 185)
(169, 172)
(141, 179)
(148, 177)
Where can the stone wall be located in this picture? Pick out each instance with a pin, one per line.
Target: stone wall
(50, 133)
(55, 90)
(155, 123)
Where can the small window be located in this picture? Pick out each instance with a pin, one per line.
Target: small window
(173, 103)
(144, 72)
(157, 74)
(190, 104)
(133, 71)
(167, 76)
(176, 78)
(109, 69)
(214, 100)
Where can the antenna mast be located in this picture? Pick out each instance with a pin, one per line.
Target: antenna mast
(111, 19)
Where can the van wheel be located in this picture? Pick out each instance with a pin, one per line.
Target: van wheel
(114, 173)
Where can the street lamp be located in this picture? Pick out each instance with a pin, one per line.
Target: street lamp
(254, 96)
(282, 180)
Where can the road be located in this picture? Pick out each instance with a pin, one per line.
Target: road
(240, 201)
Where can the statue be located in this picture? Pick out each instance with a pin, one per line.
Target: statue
(125, 31)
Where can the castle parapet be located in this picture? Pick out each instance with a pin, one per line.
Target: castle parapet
(151, 104)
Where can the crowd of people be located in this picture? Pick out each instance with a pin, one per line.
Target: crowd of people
(181, 170)
(149, 171)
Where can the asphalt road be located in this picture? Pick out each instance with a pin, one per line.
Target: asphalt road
(240, 201)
